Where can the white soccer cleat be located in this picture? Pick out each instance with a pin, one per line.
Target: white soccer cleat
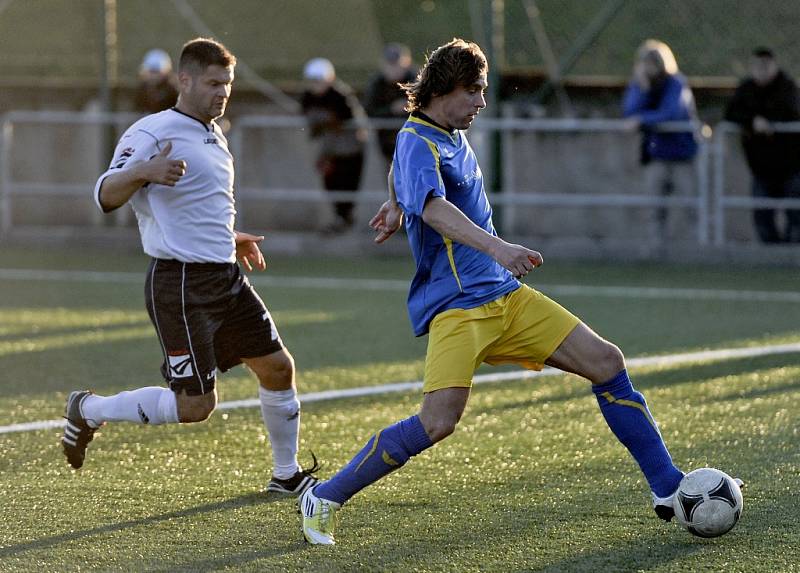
(319, 518)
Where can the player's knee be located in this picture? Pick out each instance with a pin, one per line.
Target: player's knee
(278, 372)
(611, 360)
(441, 427)
(195, 408)
(284, 366)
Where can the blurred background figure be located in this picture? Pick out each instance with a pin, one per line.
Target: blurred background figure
(769, 95)
(383, 97)
(157, 89)
(658, 93)
(331, 108)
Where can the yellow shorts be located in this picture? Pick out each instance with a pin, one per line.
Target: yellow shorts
(523, 327)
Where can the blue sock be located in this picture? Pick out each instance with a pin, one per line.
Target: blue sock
(385, 452)
(626, 413)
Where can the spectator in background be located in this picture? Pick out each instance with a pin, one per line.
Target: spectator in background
(384, 98)
(769, 95)
(158, 88)
(658, 93)
(330, 107)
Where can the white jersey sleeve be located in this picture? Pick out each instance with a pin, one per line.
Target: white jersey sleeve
(137, 145)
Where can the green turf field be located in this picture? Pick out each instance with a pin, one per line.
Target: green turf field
(531, 481)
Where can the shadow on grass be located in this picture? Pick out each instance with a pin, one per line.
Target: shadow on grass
(249, 499)
(664, 378)
(520, 538)
(634, 555)
(227, 561)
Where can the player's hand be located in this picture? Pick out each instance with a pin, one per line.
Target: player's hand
(517, 259)
(163, 170)
(248, 252)
(387, 220)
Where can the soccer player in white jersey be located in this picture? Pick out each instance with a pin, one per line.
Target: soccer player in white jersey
(175, 169)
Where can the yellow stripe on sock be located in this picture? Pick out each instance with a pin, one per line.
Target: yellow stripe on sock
(371, 451)
(631, 404)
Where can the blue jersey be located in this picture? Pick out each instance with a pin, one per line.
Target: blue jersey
(430, 161)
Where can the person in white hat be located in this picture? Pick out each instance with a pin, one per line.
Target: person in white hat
(332, 111)
(157, 89)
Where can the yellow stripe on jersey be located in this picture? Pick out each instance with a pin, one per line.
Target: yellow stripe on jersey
(448, 243)
(435, 151)
(431, 145)
(419, 120)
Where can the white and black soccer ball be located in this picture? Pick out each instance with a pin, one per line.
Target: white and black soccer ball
(708, 502)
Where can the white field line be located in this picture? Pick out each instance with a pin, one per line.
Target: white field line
(664, 360)
(334, 283)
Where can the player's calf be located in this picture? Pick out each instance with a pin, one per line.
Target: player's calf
(195, 408)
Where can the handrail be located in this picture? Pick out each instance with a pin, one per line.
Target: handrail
(711, 163)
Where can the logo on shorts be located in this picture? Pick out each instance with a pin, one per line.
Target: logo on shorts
(180, 365)
(142, 415)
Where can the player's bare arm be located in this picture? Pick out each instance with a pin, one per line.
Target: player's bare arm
(248, 252)
(450, 222)
(119, 187)
(389, 217)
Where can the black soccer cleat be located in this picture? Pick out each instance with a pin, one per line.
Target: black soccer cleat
(298, 483)
(665, 512)
(663, 506)
(77, 433)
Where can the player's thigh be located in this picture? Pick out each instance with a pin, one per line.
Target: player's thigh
(248, 331)
(585, 353)
(457, 340)
(534, 326)
(275, 371)
(184, 327)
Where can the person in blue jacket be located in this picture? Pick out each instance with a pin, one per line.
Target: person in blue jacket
(658, 93)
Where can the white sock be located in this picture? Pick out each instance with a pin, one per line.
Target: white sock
(151, 405)
(280, 410)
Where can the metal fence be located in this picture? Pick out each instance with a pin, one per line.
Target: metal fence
(81, 141)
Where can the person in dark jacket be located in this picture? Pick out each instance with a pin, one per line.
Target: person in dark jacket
(769, 95)
(658, 93)
(384, 98)
(331, 110)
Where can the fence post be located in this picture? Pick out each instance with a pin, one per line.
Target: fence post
(509, 179)
(718, 189)
(5, 167)
(236, 150)
(703, 219)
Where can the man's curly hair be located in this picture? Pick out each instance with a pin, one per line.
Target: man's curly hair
(457, 63)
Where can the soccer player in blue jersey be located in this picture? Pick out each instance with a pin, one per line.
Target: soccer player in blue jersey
(467, 297)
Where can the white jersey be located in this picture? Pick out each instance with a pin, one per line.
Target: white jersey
(191, 222)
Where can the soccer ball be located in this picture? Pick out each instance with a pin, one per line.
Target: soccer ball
(708, 502)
